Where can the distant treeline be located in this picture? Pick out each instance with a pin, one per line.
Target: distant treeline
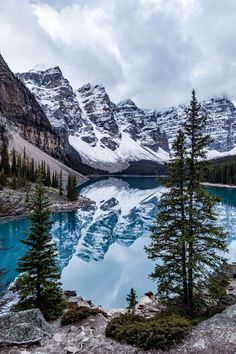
(222, 170)
(18, 171)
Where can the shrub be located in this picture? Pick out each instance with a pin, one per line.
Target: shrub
(77, 313)
(156, 333)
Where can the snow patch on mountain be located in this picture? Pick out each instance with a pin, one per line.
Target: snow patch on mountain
(107, 136)
(110, 136)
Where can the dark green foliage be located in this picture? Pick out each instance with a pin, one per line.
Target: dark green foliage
(60, 186)
(186, 240)
(71, 189)
(156, 333)
(21, 170)
(217, 283)
(77, 313)
(3, 179)
(48, 177)
(131, 300)
(38, 284)
(55, 181)
(13, 163)
(222, 170)
(4, 161)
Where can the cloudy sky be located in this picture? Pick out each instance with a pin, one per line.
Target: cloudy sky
(152, 51)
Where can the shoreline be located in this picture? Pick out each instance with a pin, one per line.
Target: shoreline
(56, 207)
(219, 185)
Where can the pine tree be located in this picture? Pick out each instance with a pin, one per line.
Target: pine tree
(38, 284)
(4, 163)
(131, 300)
(60, 184)
(68, 187)
(206, 241)
(168, 239)
(13, 163)
(186, 241)
(48, 177)
(71, 188)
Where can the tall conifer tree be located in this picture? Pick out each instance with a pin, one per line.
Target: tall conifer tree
(38, 284)
(206, 240)
(186, 241)
(60, 184)
(4, 163)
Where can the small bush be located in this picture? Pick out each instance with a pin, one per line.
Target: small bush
(156, 333)
(77, 313)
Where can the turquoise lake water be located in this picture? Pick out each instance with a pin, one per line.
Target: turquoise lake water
(101, 249)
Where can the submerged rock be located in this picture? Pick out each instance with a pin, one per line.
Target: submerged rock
(25, 327)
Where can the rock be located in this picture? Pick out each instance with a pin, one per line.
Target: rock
(227, 300)
(72, 350)
(149, 305)
(81, 302)
(25, 327)
(20, 107)
(69, 293)
(217, 335)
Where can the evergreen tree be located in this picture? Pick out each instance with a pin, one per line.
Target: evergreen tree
(13, 163)
(68, 187)
(60, 184)
(3, 179)
(48, 177)
(168, 235)
(71, 188)
(131, 300)
(186, 240)
(4, 163)
(38, 284)
(14, 183)
(206, 241)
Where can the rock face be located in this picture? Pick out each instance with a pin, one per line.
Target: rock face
(25, 327)
(110, 136)
(214, 336)
(221, 122)
(20, 107)
(107, 136)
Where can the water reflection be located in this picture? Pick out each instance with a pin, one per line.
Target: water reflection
(100, 249)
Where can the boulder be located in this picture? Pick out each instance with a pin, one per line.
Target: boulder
(24, 327)
(149, 305)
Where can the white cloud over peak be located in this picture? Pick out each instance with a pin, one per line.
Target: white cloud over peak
(152, 51)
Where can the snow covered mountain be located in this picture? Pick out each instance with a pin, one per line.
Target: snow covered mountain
(121, 213)
(221, 122)
(107, 136)
(123, 210)
(111, 137)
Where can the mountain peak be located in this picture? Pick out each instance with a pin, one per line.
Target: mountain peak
(42, 69)
(127, 102)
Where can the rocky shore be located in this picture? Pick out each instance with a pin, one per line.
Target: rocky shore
(28, 333)
(15, 206)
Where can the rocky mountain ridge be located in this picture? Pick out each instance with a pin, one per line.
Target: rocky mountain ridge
(19, 107)
(111, 136)
(107, 136)
(21, 113)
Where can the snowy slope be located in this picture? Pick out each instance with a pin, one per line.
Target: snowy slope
(221, 123)
(110, 136)
(107, 136)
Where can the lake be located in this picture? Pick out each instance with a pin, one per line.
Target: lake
(101, 249)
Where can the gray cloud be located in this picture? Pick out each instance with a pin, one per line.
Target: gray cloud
(152, 51)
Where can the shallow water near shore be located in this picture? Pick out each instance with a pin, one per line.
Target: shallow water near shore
(101, 249)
